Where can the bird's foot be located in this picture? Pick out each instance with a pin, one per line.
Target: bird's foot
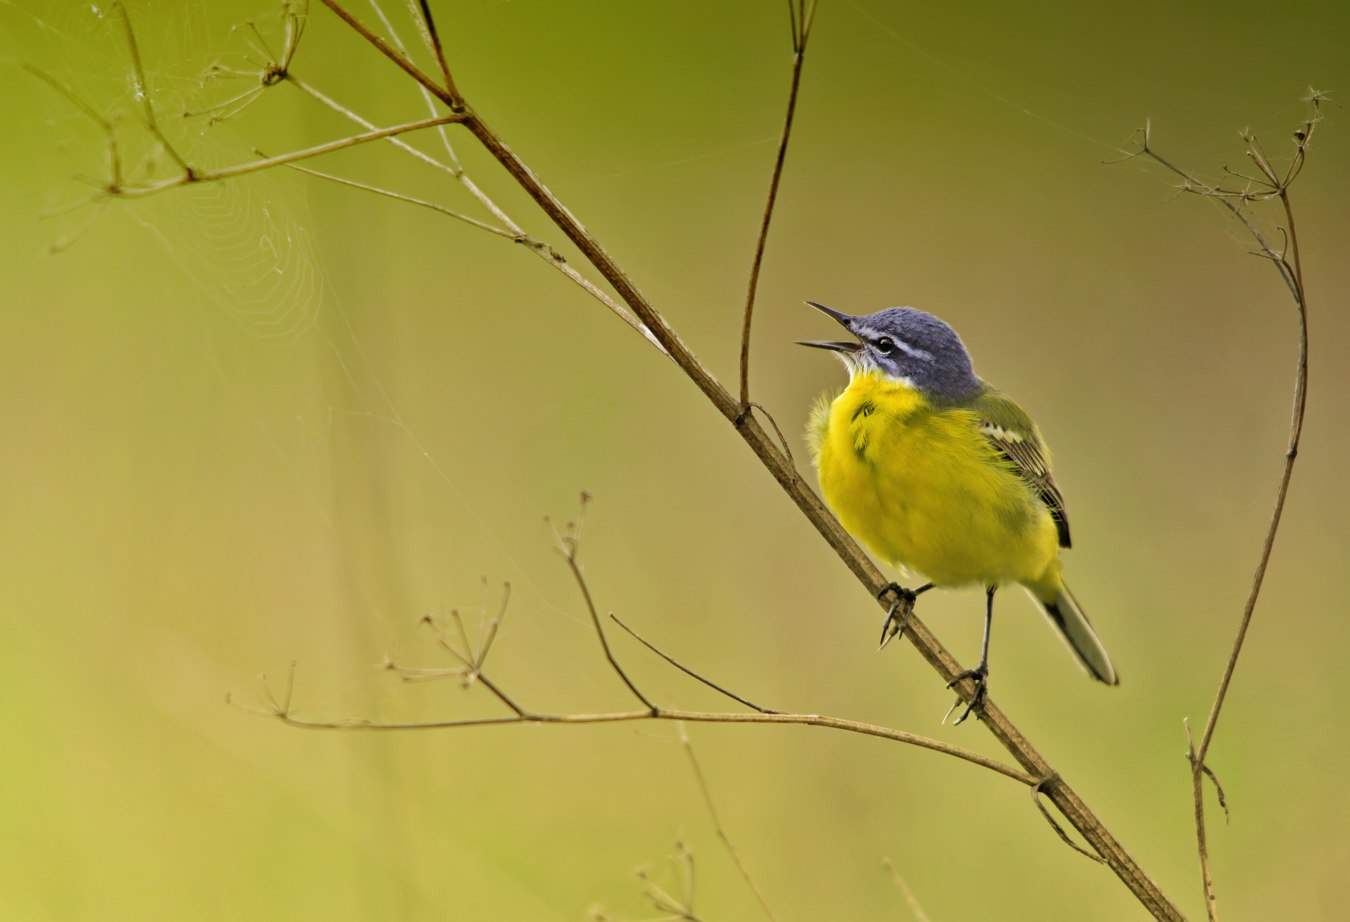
(897, 618)
(980, 675)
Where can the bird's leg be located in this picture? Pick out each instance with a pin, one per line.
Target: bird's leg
(980, 674)
(896, 619)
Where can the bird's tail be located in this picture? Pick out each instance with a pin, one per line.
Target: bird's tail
(1063, 612)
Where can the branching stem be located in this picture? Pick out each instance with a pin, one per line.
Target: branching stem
(663, 713)
(242, 169)
(801, 32)
(1034, 765)
(1288, 261)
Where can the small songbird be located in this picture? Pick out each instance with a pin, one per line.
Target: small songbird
(939, 473)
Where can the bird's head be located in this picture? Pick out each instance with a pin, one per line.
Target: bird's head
(907, 345)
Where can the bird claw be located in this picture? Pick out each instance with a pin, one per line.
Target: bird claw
(897, 618)
(980, 676)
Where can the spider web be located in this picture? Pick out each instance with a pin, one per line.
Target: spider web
(244, 245)
(246, 250)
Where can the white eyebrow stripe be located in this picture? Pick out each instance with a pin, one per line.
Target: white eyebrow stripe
(912, 351)
(870, 334)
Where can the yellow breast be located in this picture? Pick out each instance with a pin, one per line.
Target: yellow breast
(922, 488)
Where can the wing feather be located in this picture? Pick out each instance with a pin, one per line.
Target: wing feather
(1014, 435)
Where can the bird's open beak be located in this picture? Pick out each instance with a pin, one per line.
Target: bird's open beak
(834, 347)
(844, 320)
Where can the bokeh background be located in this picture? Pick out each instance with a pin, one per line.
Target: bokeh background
(281, 420)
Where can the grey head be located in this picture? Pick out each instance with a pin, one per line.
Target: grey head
(905, 343)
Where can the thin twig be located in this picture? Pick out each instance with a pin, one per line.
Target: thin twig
(680, 909)
(1225, 198)
(433, 40)
(662, 713)
(516, 232)
(1218, 791)
(114, 155)
(422, 91)
(687, 671)
(1282, 493)
(782, 439)
(397, 56)
(468, 658)
(330, 103)
(1054, 824)
(569, 544)
(142, 92)
(721, 830)
(426, 82)
(570, 555)
(473, 664)
(400, 197)
(1202, 840)
(465, 656)
(910, 899)
(1288, 261)
(242, 169)
(1008, 735)
(493, 625)
(800, 34)
(295, 30)
(502, 696)
(67, 240)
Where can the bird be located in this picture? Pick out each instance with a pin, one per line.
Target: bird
(941, 474)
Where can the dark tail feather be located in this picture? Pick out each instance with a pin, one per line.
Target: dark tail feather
(1077, 632)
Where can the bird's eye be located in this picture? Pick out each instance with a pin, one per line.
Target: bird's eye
(885, 345)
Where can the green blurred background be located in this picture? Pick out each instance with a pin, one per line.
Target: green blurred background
(282, 420)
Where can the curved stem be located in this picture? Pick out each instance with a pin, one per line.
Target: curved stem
(1008, 735)
(1293, 272)
(242, 169)
(661, 713)
(798, 58)
(1065, 799)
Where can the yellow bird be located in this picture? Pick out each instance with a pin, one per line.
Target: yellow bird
(939, 473)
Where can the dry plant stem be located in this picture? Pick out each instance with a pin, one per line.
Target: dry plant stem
(472, 663)
(433, 41)
(571, 557)
(1057, 790)
(400, 197)
(721, 831)
(1289, 263)
(681, 908)
(687, 671)
(196, 176)
(452, 169)
(910, 899)
(1202, 841)
(513, 230)
(1054, 824)
(114, 157)
(1064, 798)
(447, 96)
(142, 92)
(663, 713)
(801, 32)
(1290, 456)
(457, 105)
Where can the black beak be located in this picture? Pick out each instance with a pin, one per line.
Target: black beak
(844, 320)
(834, 347)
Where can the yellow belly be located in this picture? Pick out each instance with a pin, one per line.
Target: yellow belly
(923, 489)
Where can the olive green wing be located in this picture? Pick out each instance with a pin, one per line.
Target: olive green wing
(1010, 430)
